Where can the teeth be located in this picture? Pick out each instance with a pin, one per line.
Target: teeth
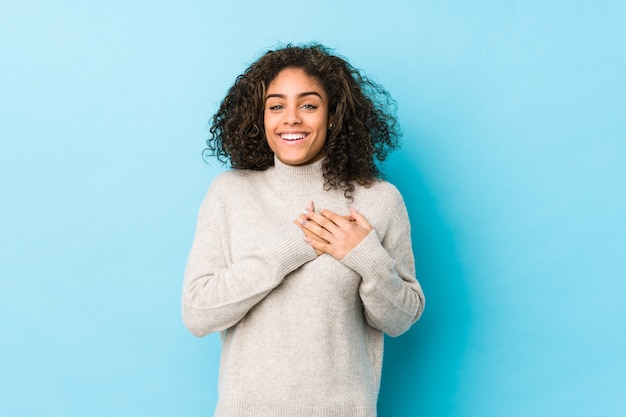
(292, 136)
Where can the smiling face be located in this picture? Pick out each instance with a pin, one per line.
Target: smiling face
(296, 117)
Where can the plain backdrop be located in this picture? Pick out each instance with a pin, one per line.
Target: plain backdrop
(513, 169)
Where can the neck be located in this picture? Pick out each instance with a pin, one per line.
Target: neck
(299, 176)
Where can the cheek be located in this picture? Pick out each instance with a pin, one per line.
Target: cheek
(269, 125)
(266, 120)
(323, 128)
(271, 122)
(269, 139)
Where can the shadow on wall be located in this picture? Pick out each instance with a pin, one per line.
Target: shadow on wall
(421, 367)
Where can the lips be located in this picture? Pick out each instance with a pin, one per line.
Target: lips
(292, 136)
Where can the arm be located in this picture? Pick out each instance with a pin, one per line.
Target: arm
(392, 298)
(217, 291)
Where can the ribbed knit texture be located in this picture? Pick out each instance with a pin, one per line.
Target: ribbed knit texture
(302, 335)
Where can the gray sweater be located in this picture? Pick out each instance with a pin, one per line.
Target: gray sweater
(301, 335)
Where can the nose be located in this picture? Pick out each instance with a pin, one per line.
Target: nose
(292, 116)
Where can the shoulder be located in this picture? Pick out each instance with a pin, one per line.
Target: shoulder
(228, 187)
(383, 206)
(232, 179)
(382, 192)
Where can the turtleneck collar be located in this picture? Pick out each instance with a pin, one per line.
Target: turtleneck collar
(299, 176)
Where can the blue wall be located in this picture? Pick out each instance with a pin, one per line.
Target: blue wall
(513, 169)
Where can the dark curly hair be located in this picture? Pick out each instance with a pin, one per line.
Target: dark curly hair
(364, 130)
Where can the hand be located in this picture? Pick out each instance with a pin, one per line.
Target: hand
(308, 235)
(333, 234)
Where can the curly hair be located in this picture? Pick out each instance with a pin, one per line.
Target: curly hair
(365, 128)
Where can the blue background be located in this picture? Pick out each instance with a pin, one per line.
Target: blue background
(513, 168)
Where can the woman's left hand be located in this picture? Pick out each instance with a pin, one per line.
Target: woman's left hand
(338, 235)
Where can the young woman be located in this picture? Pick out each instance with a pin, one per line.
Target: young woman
(302, 256)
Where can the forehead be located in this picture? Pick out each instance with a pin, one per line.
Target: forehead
(294, 80)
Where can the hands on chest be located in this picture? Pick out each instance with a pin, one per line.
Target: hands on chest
(331, 233)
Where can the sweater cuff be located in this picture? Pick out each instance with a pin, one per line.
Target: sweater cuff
(290, 250)
(369, 258)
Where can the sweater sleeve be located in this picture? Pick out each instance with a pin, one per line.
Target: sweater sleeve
(218, 292)
(392, 297)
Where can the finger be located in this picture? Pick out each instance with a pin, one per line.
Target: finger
(308, 209)
(321, 221)
(323, 231)
(311, 241)
(319, 246)
(311, 234)
(311, 228)
(334, 218)
(359, 218)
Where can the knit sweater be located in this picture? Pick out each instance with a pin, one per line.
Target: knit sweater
(302, 335)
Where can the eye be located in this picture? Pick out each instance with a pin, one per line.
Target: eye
(275, 107)
(309, 107)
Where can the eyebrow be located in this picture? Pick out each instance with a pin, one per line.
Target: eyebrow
(308, 93)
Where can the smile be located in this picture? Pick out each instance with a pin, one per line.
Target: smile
(292, 136)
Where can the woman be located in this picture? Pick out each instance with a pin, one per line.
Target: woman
(302, 256)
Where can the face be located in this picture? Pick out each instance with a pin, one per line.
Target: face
(296, 117)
